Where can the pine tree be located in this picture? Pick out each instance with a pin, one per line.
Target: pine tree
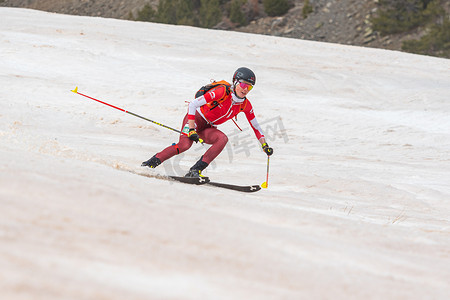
(210, 13)
(236, 14)
(276, 7)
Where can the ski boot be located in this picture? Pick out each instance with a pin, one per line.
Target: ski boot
(152, 162)
(196, 170)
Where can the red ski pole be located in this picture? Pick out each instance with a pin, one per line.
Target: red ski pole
(129, 112)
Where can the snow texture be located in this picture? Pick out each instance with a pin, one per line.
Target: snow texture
(358, 202)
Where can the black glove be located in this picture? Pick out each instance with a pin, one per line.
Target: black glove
(193, 135)
(267, 149)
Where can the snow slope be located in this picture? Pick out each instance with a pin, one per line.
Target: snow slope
(358, 199)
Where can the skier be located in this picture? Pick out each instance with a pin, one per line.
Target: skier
(213, 108)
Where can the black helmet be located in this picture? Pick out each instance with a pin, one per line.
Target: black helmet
(245, 74)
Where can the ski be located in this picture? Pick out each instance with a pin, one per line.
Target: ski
(188, 180)
(240, 188)
(197, 181)
(191, 180)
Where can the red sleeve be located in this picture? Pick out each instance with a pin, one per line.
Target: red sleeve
(248, 110)
(214, 94)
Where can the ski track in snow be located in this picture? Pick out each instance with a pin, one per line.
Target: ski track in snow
(358, 199)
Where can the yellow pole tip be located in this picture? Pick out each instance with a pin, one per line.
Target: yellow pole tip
(75, 90)
(264, 185)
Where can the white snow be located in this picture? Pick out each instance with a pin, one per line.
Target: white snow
(358, 202)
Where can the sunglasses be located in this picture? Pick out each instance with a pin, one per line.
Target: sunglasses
(245, 85)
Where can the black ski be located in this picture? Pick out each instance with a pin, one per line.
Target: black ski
(240, 188)
(191, 180)
(198, 181)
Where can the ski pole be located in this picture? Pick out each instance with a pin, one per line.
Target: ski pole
(133, 114)
(266, 183)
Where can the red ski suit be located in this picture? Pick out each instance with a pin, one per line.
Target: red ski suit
(207, 116)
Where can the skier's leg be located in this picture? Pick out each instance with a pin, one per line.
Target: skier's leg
(217, 139)
(184, 143)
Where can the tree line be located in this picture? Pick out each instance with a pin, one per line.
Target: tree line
(393, 17)
(209, 13)
(403, 16)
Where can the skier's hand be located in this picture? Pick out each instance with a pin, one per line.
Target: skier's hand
(267, 149)
(193, 135)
